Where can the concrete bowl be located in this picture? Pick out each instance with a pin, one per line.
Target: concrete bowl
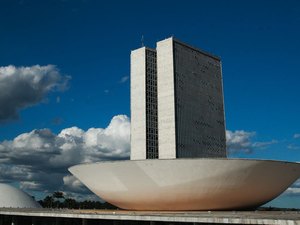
(187, 184)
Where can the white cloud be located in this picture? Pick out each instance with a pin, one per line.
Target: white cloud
(296, 136)
(240, 141)
(294, 189)
(39, 159)
(22, 87)
(30, 185)
(73, 184)
(263, 145)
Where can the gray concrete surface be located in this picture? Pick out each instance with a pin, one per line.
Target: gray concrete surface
(204, 217)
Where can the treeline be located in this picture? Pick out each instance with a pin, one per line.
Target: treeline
(58, 200)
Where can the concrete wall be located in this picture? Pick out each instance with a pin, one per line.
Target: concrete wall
(138, 104)
(165, 93)
(121, 217)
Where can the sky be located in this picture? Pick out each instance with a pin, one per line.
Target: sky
(65, 81)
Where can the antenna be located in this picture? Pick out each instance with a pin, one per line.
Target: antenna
(142, 41)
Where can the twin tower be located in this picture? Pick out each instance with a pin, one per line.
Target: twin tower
(177, 108)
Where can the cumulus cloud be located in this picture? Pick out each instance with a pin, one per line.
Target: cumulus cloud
(294, 189)
(73, 184)
(39, 159)
(241, 141)
(22, 87)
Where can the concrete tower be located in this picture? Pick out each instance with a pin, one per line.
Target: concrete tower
(143, 89)
(177, 106)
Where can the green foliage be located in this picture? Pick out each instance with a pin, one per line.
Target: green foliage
(58, 200)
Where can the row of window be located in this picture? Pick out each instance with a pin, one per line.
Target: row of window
(207, 144)
(152, 81)
(151, 54)
(151, 106)
(203, 124)
(151, 118)
(152, 123)
(151, 90)
(150, 65)
(151, 95)
(152, 155)
(152, 146)
(152, 130)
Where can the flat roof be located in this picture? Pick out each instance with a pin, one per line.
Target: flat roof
(221, 217)
(197, 49)
(184, 44)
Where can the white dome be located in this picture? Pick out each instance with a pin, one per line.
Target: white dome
(11, 197)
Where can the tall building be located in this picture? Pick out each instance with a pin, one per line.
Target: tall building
(177, 108)
(177, 112)
(144, 124)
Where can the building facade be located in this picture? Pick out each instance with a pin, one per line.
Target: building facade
(143, 89)
(177, 108)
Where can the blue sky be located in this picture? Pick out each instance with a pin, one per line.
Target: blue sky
(89, 42)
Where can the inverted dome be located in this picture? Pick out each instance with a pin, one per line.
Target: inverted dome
(11, 197)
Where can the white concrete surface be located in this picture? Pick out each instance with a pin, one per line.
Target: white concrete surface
(11, 197)
(187, 184)
(166, 100)
(138, 103)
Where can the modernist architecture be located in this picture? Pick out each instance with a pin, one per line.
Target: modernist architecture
(144, 123)
(177, 114)
(177, 106)
(187, 184)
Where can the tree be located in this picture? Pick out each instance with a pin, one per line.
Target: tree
(58, 195)
(58, 200)
(48, 202)
(70, 203)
